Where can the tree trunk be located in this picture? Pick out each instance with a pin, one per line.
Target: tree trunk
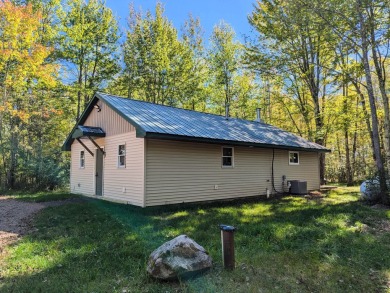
(348, 169)
(354, 143)
(366, 115)
(340, 173)
(80, 83)
(371, 98)
(319, 139)
(11, 174)
(382, 88)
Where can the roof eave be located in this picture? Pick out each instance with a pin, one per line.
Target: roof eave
(153, 135)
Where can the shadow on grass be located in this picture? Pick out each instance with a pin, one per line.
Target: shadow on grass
(285, 245)
(322, 241)
(77, 248)
(43, 196)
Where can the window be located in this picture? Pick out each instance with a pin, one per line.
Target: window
(82, 159)
(122, 155)
(294, 158)
(227, 157)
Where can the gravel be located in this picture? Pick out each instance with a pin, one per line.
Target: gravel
(15, 217)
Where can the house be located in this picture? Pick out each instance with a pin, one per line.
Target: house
(147, 154)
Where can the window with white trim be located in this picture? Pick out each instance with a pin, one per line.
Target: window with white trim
(122, 155)
(227, 157)
(293, 158)
(82, 159)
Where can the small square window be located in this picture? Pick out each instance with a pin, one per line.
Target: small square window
(294, 158)
(82, 159)
(227, 157)
(122, 155)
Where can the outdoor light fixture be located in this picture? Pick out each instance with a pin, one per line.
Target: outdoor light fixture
(97, 107)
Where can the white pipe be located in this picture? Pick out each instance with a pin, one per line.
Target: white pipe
(258, 115)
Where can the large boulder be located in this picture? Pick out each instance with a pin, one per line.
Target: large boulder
(180, 257)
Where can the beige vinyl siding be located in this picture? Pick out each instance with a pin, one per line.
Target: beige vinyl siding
(108, 120)
(308, 169)
(187, 172)
(82, 180)
(124, 184)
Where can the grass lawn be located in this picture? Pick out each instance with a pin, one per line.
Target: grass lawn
(45, 196)
(335, 244)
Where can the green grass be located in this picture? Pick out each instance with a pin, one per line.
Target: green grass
(43, 196)
(291, 244)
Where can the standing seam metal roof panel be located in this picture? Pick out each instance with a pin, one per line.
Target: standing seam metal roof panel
(160, 119)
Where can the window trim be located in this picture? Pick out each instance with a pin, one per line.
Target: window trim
(222, 156)
(118, 156)
(289, 160)
(82, 166)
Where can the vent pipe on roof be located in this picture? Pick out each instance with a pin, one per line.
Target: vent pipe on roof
(258, 115)
(227, 111)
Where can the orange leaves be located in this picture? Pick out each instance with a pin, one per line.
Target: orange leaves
(47, 113)
(25, 115)
(14, 113)
(22, 56)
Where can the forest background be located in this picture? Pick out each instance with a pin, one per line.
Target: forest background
(317, 69)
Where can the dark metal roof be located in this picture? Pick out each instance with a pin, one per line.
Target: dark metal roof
(153, 120)
(165, 122)
(81, 131)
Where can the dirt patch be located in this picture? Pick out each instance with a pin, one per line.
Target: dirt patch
(381, 226)
(15, 217)
(314, 195)
(375, 226)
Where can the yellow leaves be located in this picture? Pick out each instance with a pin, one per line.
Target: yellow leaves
(19, 25)
(14, 113)
(24, 115)
(48, 113)
(22, 57)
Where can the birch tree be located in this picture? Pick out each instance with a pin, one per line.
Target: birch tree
(354, 22)
(293, 43)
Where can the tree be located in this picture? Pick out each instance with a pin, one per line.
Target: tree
(195, 93)
(354, 23)
(24, 70)
(377, 14)
(293, 43)
(246, 95)
(224, 60)
(89, 47)
(159, 67)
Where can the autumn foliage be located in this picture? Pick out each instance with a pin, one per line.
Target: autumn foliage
(316, 70)
(26, 79)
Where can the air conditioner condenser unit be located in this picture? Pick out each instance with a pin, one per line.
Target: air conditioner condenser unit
(298, 187)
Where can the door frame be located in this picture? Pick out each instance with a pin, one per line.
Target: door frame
(95, 169)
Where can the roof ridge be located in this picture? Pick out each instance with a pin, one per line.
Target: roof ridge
(173, 107)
